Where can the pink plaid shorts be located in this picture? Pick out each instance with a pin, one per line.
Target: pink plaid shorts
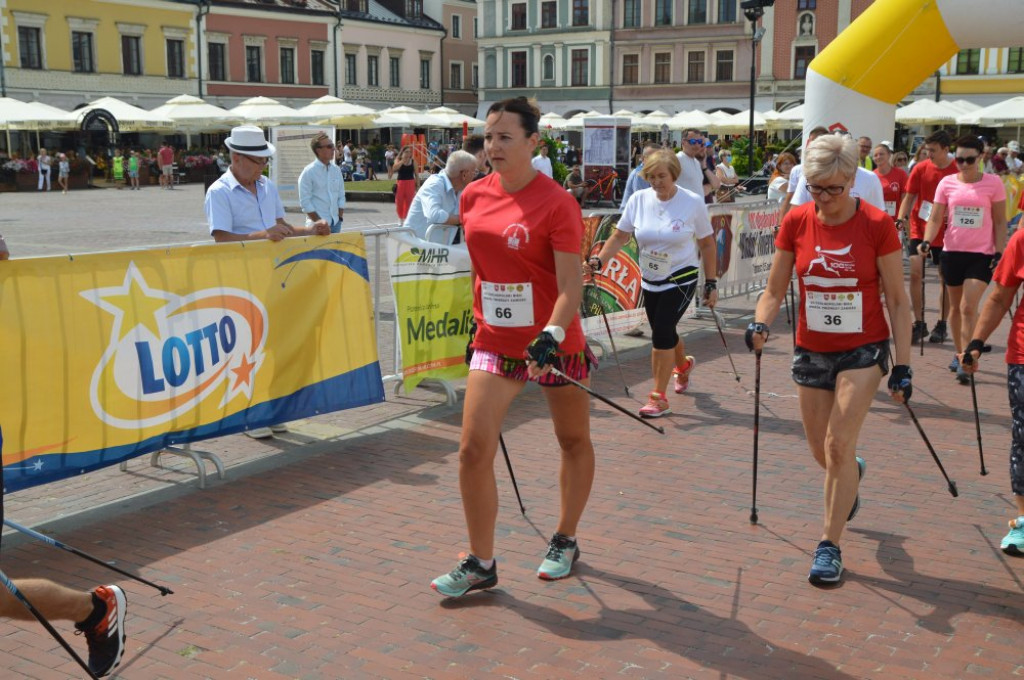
(577, 366)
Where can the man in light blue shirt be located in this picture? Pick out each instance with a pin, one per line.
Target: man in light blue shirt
(635, 182)
(321, 186)
(437, 201)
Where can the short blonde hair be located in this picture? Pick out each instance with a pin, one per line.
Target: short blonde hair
(662, 159)
(828, 155)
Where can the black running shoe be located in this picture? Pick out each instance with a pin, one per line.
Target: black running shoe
(104, 629)
(939, 333)
(920, 331)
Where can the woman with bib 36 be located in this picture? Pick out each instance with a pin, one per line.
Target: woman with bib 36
(846, 255)
(524, 234)
(665, 219)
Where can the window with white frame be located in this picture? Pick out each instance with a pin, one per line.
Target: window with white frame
(549, 15)
(631, 13)
(580, 12)
(175, 58)
(630, 69)
(802, 58)
(217, 59)
(31, 39)
(698, 12)
(286, 61)
(83, 55)
(663, 12)
(350, 69)
(518, 16)
(317, 63)
(518, 60)
(254, 63)
(695, 67)
(662, 68)
(424, 72)
(727, 11)
(580, 67)
(372, 70)
(474, 79)
(394, 70)
(549, 67)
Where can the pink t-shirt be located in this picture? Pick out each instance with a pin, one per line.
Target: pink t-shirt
(969, 213)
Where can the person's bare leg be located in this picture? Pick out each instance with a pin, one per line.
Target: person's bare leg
(570, 414)
(55, 602)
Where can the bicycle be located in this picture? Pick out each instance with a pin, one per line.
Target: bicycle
(606, 187)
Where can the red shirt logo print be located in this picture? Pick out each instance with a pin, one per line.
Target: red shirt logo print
(516, 236)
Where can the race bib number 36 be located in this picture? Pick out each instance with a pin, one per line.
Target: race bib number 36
(507, 304)
(834, 312)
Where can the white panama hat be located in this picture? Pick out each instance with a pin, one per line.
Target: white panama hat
(249, 140)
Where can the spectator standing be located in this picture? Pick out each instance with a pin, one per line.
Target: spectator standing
(64, 169)
(321, 186)
(541, 163)
(43, 160)
(437, 201)
(165, 158)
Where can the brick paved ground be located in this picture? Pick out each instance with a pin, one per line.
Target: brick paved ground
(312, 560)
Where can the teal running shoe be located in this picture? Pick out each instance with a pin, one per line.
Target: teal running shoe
(562, 554)
(861, 468)
(827, 568)
(468, 575)
(1013, 542)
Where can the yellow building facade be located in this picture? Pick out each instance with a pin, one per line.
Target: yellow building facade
(68, 52)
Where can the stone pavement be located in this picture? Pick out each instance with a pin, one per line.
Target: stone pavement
(313, 558)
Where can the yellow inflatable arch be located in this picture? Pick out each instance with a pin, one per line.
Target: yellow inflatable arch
(892, 48)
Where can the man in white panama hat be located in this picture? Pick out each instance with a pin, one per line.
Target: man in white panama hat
(243, 205)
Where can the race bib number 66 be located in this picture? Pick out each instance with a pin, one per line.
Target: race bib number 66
(507, 304)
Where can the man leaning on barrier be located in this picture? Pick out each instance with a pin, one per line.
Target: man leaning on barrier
(321, 186)
(437, 201)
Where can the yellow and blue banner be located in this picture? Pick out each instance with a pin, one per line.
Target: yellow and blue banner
(108, 356)
(434, 307)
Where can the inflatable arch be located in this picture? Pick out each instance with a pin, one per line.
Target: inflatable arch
(857, 81)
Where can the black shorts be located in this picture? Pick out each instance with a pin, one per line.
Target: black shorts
(957, 267)
(935, 252)
(820, 369)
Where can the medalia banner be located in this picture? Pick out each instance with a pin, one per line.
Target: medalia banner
(108, 356)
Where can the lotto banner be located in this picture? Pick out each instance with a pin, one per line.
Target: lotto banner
(113, 355)
(434, 304)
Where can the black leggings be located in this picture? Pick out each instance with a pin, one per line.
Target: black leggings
(665, 309)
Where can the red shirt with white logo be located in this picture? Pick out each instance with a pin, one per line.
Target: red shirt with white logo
(894, 187)
(837, 268)
(924, 179)
(512, 239)
(165, 156)
(1009, 274)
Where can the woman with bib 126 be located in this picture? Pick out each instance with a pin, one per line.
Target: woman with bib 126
(524, 234)
(665, 219)
(847, 255)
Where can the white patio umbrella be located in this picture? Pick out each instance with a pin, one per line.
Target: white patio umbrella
(454, 119)
(695, 119)
(652, 122)
(267, 112)
(1006, 113)
(192, 114)
(18, 115)
(576, 122)
(790, 119)
(551, 121)
(738, 123)
(927, 112)
(406, 117)
(129, 118)
(330, 110)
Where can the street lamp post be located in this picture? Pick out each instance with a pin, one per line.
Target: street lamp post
(753, 10)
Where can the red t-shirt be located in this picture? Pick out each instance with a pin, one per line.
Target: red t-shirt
(1009, 274)
(166, 156)
(837, 267)
(894, 187)
(512, 239)
(924, 178)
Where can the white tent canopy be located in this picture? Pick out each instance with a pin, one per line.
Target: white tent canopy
(652, 122)
(576, 122)
(268, 112)
(331, 110)
(738, 123)
(928, 112)
(406, 117)
(452, 118)
(129, 118)
(551, 121)
(193, 114)
(695, 119)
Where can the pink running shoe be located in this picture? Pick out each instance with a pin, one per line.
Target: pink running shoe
(656, 406)
(682, 375)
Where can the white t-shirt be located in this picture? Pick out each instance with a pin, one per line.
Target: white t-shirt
(866, 186)
(666, 233)
(691, 175)
(542, 164)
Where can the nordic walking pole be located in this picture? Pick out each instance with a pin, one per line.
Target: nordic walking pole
(757, 419)
(952, 484)
(714, 315)
(942, 308)
(17, 594)
(792, 305)
(57, 544)
(922, 301)
(615, 351)
(606, 400)
(968, 360)
(508, 462)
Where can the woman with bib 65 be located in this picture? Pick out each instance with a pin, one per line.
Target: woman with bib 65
(665, 219)
(524, 234)
(847, 255)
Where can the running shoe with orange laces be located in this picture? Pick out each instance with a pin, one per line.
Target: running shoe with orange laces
(682, 374)
(104, 629)
(656, 406)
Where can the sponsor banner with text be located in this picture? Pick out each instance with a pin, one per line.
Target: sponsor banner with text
(434, 305)
(108, 356)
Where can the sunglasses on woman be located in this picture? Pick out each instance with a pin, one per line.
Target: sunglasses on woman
(966, 160)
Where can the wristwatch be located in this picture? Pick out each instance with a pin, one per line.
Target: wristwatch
(557, 332)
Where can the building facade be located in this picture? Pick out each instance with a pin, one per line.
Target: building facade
(458, 53)
(558, 52)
